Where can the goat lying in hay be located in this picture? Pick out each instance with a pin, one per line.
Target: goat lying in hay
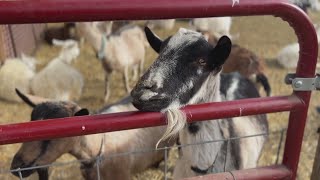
(187, 71)
(91, 146)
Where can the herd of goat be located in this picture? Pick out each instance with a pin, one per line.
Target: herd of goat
(195, 65)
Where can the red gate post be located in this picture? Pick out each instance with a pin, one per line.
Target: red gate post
(34, 11)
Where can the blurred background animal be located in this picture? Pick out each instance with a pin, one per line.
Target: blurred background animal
(164, 24)
(120, 51)
(289, 55)
(215, 26)
(246, 62)
(67, 31)
(59, 80)
(16, 73)
(249, 65)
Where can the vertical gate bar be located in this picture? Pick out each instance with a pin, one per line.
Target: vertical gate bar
(295, 131)
(316, 164)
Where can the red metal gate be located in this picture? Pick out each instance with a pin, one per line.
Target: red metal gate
(32, 11)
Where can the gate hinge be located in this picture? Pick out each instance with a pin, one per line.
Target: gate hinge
(303, 84)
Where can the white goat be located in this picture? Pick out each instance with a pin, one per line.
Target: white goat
(215, 26)
(166, 24)
(104, 27)
(288, 56)
(187, 71)
(16, 73)
(89, 147)
(59, 80)
(118, 52)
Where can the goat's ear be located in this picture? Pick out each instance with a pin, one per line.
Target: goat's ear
(221, 51)
(32, 100)
(154, 41)
(82, 112)
(25, 98)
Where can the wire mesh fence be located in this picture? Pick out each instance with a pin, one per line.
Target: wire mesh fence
(98, 161)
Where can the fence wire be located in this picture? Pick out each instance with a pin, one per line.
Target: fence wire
(100, 158)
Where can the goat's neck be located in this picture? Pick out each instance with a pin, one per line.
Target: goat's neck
(93, 36)
(89, 146)
(208, 130)
(65, 58)
(209, 91)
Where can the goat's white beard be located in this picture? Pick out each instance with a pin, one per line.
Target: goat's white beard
(176, 120)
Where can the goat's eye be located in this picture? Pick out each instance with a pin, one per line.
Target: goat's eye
(202, 62)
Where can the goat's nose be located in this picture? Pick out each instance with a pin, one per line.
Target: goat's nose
(144, 91)
(146, 86)
(151, 87)
(17, 162)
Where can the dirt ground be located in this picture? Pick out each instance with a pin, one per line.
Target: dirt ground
(265, 35)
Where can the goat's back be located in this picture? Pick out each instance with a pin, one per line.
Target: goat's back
(14, 74)
(127, 47)
(233, 87)
(288, 56)
(58, 81)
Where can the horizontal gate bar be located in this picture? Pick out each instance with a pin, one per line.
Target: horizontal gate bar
(82, 125)
(276, 172)
(34, 11)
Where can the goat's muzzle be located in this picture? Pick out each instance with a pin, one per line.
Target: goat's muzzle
(148, 99)
(18, 163)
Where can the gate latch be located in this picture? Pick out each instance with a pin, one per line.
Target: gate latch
(303, 84)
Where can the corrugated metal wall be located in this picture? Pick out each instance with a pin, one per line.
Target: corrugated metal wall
(6, 47)
(19, 38)
(1, 45)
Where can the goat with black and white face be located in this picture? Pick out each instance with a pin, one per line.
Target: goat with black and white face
(185, 62)
(187, 71)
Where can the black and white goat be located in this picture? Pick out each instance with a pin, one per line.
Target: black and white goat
(187, 71)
